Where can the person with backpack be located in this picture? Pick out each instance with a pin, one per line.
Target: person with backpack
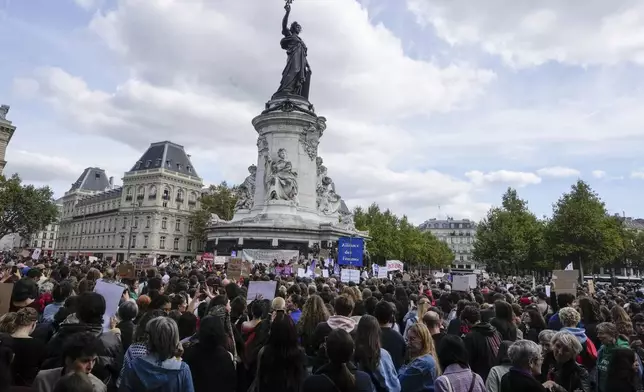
(482, 342)
(587, 357)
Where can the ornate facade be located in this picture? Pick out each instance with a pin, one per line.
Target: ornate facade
(147, 216)
(459, 235)
(6, 132)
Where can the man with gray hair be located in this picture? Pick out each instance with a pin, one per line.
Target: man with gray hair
(526, 359)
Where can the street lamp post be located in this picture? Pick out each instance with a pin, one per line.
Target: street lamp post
(135, 209)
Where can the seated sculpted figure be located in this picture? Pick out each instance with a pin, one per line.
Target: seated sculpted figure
(280, 179)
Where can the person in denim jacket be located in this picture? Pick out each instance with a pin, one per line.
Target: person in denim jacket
(420, 373)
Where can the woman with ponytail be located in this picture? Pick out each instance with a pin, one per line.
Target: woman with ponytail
(339, 374)
(29, 353)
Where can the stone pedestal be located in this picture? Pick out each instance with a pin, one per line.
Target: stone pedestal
(289, 133)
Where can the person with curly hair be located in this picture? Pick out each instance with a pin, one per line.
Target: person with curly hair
(313, 313)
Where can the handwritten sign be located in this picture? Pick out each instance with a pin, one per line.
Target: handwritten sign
(234, 268)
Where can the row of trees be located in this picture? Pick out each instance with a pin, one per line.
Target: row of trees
(512, 239)
(395, 238)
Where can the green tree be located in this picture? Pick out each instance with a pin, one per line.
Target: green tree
(510, 237)
(394, 238)
(24, 209)
(218, 199)
(581, 231)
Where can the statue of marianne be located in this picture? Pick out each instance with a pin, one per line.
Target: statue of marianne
(296, 76)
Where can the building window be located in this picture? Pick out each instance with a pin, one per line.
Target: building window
(146, 240)
(176, 244)
(147, 163)
(124, 223)
(180, 196)
(51, 244)
(189, 168)
(162, 242)
(35, 244)
(122, 241)
(42, 244)
(189, 226)
(128, 194)
(133, 244)
(136, 222)
(177, 225)
(189, 245)
(147, 222)
(164, 223)
(140, 193)
(192, 199)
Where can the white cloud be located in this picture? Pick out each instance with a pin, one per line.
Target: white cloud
(638, 175)
(87, 4)
(514, 178)
(524, 33)
(599, 173)
(208, 68)
(37, 167)
(558, 172)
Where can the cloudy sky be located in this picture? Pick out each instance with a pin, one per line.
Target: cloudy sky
(429, 102)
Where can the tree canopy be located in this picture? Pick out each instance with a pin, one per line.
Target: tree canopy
(510, 237)
(581, 231)
(24, 209)
(219, 199)
(394, 238)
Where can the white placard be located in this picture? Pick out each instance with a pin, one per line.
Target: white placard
(382, 272)
(220, 260)
(265, 289)
(301, 273)
(36, 254)
(395, 265)
(112, 292)
(349, 275)
(460, 283)
(548, 291)
(267, 256)
(325, 273)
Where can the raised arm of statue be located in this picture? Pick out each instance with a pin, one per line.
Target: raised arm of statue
(285, 29)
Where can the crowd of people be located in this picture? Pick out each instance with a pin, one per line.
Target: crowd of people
(187, 328)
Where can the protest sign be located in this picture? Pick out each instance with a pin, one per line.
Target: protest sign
(349, 275)
(350, 251)
(325, 273)
(566, 281)
(247, 267)
(5, 297)
(127, 271)
(220, 260)
(548, 291)
(234, 269)
(36, 254)
(382, 272)
(112, 292)
(395, 265)
(266, 256)
(260, 288)
(461, 282)
(301, 273)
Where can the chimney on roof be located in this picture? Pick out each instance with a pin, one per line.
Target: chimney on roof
(111, 182)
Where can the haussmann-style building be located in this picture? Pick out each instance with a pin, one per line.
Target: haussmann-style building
(146, 217)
